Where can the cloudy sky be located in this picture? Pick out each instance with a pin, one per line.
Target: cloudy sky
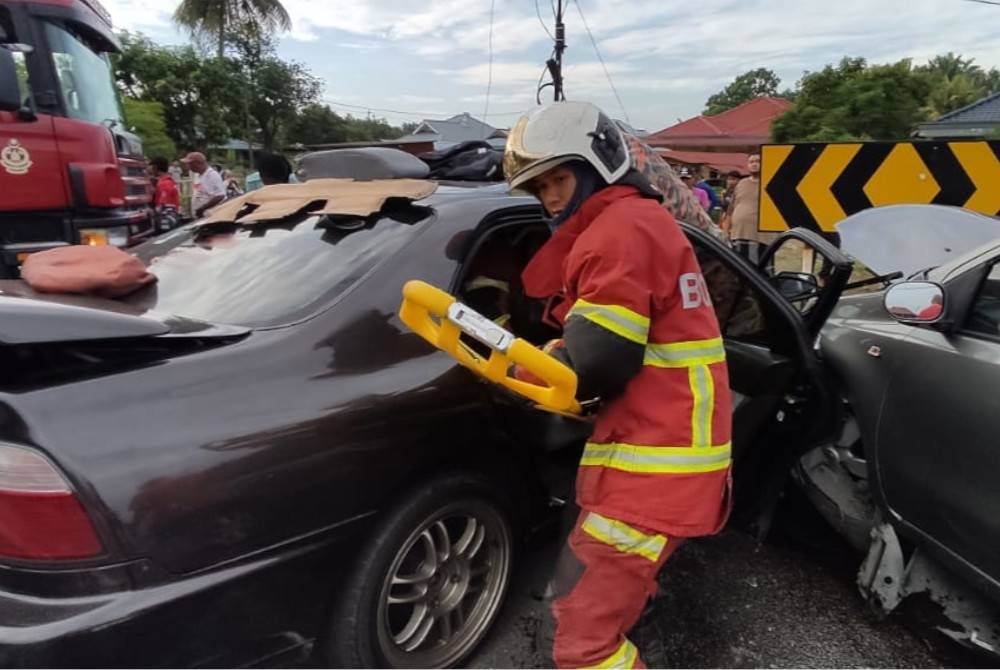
(431, 58)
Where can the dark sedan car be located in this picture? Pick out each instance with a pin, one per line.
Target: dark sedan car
(253, 460)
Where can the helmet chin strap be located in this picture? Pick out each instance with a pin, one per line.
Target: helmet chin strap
(588, 182)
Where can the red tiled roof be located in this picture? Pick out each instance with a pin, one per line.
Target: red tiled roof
(748, 123)
(723, 162)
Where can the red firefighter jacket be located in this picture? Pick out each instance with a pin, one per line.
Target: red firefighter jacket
(660, 452)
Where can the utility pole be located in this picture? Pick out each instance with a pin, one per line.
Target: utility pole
(247, 119)
(555, 63)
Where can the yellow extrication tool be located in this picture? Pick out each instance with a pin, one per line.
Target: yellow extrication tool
(441, 320)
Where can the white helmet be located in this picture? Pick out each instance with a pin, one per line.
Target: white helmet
(560, 132)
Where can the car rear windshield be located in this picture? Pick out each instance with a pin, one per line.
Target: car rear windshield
(262, 276)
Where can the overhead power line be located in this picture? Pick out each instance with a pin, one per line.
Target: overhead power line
(489, 77)
(601, 59)
(538, 11)
(425, 115)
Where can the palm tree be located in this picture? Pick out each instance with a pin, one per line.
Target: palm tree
(217, 17)
(951, 93)
(951, 65)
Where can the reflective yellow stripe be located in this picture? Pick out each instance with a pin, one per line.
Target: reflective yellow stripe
(669, 460)
(685, 354)
(624, 537)
(703, 396)
(623, 658)
(619, 320)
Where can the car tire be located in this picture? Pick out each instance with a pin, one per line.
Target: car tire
(430, 581)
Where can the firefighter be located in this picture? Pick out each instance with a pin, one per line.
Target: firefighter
(640, 332)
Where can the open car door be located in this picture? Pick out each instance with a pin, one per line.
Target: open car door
(782, 404)
(769, 315)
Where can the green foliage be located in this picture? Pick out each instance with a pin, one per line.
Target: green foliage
(744, 88)
(146, 120)
(205, 101)
(219, 18)
(318, 124)
(857, 101)
(191, 90)
(277, 89)
(956, 82)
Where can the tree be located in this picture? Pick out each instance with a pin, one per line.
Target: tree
(317, 124)
(744, 88)
(267, 91)
(956, 82)
(951, 93)
(855, 101)
(219, 17)
(146, 120)
(195, 93)
(277, 91)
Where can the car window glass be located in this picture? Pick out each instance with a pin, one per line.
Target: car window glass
(738, 305)
(7, 35)
(984, 317)
(84, 76)
(490, 279)
(799, 273)
(266, 275)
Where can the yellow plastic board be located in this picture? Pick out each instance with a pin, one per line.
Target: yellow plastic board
(441, 320)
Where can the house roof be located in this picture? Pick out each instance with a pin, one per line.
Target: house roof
(749, 123)
(722, 162)
(236, 145)
(459, 128)
(985, 110)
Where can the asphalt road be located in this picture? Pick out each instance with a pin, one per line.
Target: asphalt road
(730, 602)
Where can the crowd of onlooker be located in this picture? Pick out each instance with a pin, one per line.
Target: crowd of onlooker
(190, 186)
(735, 206)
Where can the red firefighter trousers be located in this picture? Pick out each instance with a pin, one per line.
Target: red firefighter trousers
(604, 578)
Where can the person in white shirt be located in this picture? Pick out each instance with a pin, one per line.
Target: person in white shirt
(208, 188)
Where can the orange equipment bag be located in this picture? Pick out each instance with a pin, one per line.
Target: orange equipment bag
(100, 270)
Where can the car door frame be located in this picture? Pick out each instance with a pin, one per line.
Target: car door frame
(824, 410)
(840, 273)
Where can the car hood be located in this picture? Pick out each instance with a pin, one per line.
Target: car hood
(911, 238)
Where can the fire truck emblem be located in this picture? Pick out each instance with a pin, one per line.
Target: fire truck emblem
(15, 158)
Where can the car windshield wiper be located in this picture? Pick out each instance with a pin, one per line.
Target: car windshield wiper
(880, 279)
(922, 274)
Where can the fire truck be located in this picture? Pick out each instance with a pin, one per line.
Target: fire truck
(70, 172)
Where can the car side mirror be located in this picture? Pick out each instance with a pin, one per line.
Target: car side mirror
(915, 302)
(795, 286)
(10, 93)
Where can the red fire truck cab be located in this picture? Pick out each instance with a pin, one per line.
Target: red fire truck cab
(70, 172)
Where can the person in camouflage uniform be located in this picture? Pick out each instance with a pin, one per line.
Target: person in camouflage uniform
(677, 198)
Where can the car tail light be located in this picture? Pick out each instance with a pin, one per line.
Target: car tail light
(40, 516)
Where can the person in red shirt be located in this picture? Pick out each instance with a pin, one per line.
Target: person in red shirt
(641, 334)
(166, 197)
(166, 194)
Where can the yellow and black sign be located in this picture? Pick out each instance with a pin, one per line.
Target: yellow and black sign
(817, 184)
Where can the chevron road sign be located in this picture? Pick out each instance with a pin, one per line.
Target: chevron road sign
(818, 184)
